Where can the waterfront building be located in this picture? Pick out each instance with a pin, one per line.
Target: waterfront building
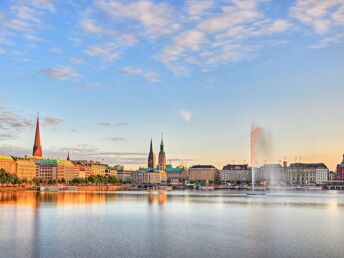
(25, 167)
(65, 169)
(202, 173)
(37, 148)
(46, 169)
(151, 177)
(8, 164)
(84, 167)
(305, 174)
(272, 174)
(98, 169)
(138, 176)
(111, 171)
(151, 157)
(162, 156)
(235, 173)
(126, 176)
(176, 175)
(321, 175)
(340, 170)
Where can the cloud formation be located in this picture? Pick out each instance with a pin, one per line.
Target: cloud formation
(61, 73)
(320, 15)
(152, 77)
(185, 115)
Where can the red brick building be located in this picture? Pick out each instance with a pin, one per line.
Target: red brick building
(340, 170)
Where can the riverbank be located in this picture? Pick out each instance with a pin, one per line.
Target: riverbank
(78, 188)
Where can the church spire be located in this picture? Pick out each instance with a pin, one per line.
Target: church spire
(37, 148)
(151, 157)
(162, 155)
(68, 156)
(162, 142)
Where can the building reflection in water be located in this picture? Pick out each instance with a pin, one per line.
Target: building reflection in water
(36, 199)
(157, 198)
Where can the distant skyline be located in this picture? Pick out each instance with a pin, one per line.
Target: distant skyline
(106, 76)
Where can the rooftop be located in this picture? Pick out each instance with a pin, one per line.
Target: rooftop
(308, 165)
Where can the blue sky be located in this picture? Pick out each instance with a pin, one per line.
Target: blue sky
(107, 75)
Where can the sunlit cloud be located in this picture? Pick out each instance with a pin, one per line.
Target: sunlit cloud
(185, 115)
(61, 73)
(152, 77)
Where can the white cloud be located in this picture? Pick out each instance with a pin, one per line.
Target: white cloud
(185, 115)
(197, 8)
(52, 121)
(77, 61)
(222, 35)
(152, 77)
(32, 37)
(41, 4)
(321, 15)
(26, 13)
(2, 52)
(61, 73)
(329, 41)
(156, 19)
(107, 52)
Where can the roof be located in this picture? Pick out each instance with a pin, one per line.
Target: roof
(64, 162)
(171, 169)
(308, 165)
(272, 166)
(235, 167)
(6, 157)
(203, 166)
(48, 162)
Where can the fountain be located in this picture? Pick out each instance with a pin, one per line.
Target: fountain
(259, 154)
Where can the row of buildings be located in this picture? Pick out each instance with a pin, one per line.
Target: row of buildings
(30, 167)
(36, 166)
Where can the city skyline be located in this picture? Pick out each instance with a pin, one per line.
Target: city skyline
(111, 76)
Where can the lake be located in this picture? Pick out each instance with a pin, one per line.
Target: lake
(172, 224)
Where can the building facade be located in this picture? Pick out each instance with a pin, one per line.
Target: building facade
(202, 173)
(65, 170)
(8, 164)
(176, 175)
(46, 169)
(340, 170)
(304, 173)
(25, 168)
(235, 173)
(272, 174)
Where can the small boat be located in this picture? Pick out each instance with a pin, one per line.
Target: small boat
(206, 188)
(49, 189)
(256, 193)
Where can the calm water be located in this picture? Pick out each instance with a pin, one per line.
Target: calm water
(176, 224)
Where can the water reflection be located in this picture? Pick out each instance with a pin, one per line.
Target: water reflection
(33, 199)
(170, 224)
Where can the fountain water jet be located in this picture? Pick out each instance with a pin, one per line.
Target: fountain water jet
(259, 151)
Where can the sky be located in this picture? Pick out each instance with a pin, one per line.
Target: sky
(107, 76)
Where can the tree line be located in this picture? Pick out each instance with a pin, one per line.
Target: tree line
(8, 178)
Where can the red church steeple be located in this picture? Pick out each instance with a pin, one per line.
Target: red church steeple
(37, 148)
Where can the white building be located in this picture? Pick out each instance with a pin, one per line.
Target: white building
(234, 173)
(321, 175)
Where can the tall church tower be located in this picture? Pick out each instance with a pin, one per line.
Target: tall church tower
(151, 157)
(37, 148)
(162, 156)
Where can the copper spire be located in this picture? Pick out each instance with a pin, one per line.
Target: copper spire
(37, 148)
